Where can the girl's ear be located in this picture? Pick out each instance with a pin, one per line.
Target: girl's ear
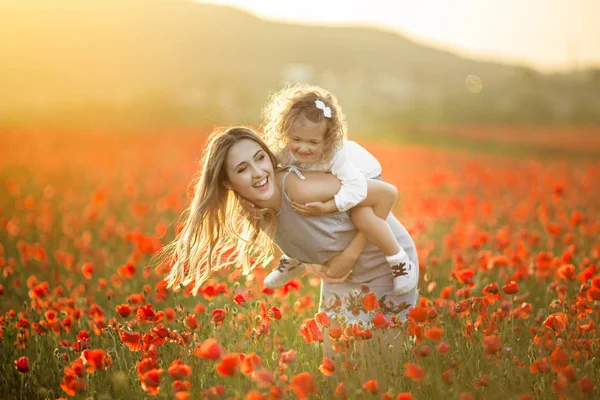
(227, 185)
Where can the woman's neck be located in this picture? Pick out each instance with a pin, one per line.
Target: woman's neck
(274, 203)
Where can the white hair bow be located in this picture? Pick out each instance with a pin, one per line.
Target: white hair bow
(321, 106)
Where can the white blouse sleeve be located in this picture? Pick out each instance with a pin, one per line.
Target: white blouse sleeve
(354, 183)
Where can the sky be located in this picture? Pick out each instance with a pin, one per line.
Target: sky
(548, 35)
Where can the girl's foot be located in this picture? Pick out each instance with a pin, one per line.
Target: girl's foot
(287, 269)
(404, 272)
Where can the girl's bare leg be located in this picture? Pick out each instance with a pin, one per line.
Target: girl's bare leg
(369, 216)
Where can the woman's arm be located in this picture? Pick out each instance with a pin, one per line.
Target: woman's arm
(340, 265)
(321, 186)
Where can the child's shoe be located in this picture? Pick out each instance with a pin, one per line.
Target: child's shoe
(287, 269)
(404, 272)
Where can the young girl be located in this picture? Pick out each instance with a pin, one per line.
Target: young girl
(305, 128)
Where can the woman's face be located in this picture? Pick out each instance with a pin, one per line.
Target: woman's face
(250, 171)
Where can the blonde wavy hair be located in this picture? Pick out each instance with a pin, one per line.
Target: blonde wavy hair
(217, 231)
(293, 101)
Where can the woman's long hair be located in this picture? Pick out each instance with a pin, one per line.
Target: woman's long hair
(217, 231)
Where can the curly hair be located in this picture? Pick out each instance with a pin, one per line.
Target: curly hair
(293, 101)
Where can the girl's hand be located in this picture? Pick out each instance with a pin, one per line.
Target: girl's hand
(316, 208)
(257, 213)
(321, 270)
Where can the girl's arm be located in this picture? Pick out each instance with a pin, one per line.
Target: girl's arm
(352, 191)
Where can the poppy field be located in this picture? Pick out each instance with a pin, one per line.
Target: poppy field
(509, 305)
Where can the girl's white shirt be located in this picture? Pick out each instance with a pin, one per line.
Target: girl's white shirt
(352, 164)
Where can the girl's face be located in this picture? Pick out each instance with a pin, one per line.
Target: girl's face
(250, 171)
(305, 140)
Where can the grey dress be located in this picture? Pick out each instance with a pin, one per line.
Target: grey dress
(316, 239)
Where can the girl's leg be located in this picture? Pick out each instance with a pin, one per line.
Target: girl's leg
(370, 215)
(375, 228)
(370, 218)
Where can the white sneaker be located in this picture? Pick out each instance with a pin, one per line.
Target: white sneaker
(405, 277)
(404, 273)
(287, 269)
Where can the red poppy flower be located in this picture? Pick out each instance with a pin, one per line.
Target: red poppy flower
(557, 322)
(22, 365)
(311, 331)
(492, 344)
(191, 321)
(124, 310)
(287, 357)
(249, 362)
(570, 374)
(228, 365)
(147, 314)
(540, 365)
(263, 378)
(218, 316)
(370, 386)
(87, 270)
(417, 314)
(443, 348)
(131, 340)
(492, 288)
(126, 271)
(448, 376)
(414, 371)
(434, 334)
(586, 385)
(327, 367)
(254, 395)
(335, 333)
(72, 384)
(341, 392)
(559, 359)
(179, 370)
(150, 381)
(240, 299)
(95, 360)
(275, 313)
(370, 302)
(209, 349)
(323, 319)
(303, 385)
(380, 322)
(511, 288)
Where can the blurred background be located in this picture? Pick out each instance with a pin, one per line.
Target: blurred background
(183, 63)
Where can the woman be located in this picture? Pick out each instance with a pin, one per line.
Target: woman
(218, 231)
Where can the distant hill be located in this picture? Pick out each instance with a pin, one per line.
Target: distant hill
(181, 62)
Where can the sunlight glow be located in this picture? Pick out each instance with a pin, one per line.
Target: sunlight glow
(544, 34)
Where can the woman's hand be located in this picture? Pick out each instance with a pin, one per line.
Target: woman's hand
(257, 213)
(340, 265)
(321, 270)
(315, 208)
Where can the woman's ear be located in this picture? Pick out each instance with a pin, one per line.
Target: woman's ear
(227, 185)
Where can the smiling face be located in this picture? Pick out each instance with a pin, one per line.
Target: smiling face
(305, 139)
(250, 171)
